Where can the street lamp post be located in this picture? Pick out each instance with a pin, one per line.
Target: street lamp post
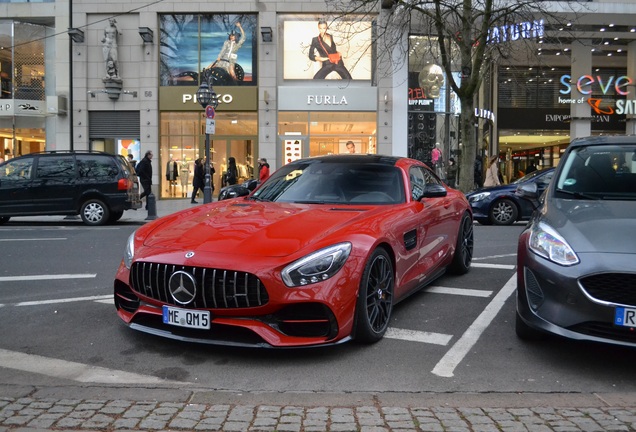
(207, 97)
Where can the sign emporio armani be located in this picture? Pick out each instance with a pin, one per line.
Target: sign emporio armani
(182, 287)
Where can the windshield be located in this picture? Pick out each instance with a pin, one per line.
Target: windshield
(320, 182)
(527, 177)
(599, 172)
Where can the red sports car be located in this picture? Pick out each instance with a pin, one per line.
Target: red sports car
(317, 255)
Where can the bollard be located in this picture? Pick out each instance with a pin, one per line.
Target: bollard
(151, 204)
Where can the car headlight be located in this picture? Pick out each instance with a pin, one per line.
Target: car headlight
(129, 252)
(478, 197)
(316, 267)
(546, 242)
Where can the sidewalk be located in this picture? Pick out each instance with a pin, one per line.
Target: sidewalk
(30, 409)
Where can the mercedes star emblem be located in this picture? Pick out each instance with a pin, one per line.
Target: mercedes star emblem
(182, 287)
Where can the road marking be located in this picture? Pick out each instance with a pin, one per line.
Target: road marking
(47, 277)
(494, 256)
(458, 291)
(66, 300)
(446, 366)
(73, 371)
(33, 239)
(495, 266)
(418, 336)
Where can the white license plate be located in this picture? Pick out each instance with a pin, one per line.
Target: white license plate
(186, 317)
(625, 317)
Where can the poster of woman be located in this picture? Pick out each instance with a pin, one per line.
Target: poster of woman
(327, 49)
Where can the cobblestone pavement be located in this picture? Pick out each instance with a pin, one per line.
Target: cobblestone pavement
(35, 414)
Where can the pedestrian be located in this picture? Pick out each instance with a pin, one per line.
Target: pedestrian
(531, 168)
(144, 172)
(263, 170)
(436, 159)
(451, 173)
(492, 173)
(231, 175)
(198, 180)
(132, 160)
(478, 168)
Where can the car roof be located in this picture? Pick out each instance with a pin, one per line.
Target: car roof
(605, 139)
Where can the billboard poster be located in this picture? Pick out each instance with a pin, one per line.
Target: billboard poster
(221, 47)
(129, 146)
(317, 48)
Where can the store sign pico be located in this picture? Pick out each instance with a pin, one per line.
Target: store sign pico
(587, 85)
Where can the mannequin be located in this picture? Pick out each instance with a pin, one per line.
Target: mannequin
(172, 174)
(185, 178)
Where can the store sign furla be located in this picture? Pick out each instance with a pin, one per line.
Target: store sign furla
(326, 100)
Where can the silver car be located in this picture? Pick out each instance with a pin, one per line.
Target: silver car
(576, 273)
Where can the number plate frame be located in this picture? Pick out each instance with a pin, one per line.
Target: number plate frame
(189, 318)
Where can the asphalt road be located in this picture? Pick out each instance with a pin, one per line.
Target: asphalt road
(456, 336)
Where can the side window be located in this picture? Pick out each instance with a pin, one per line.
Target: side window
(55, 167)
(91, 166)
(15, 170)
(420, 177)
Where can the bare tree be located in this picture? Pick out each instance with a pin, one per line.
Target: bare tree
(466, 36)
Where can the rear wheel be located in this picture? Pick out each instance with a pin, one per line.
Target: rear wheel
(94, 212)
(464, 249)
(4, 219)
(503, 212)
(375, 299)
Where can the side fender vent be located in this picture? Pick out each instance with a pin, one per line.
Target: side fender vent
(410, 239)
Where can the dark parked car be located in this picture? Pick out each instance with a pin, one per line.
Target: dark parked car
(576, 272)
(500, 206)
(97, 186)
(236, 190)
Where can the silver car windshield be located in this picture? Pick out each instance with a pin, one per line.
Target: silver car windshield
(599, 172)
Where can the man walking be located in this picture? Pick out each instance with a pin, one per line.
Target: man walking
(144, 171)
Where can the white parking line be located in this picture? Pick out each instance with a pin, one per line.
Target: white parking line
(495, 266)
(67, 300)
(72, 371)
(32, 239)
(47, 277)
(446, 366)
(418, 336)
(458, 291)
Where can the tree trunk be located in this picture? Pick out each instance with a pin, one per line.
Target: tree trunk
(469, 145)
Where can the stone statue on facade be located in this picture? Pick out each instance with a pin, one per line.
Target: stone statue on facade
(109, 48)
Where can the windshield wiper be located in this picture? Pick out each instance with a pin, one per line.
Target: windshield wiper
(580, 195)
(310, 202)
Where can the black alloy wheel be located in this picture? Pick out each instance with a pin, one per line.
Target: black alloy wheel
(375, 299)
(464, 249)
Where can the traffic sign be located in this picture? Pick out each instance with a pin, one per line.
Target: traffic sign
(210, 126)
(209, 112)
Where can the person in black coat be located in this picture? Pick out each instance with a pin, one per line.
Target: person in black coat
(198, 181)
(325, 47)
(144, 172)
(231, 176)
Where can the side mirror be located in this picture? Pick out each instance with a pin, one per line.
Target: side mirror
(433, 191)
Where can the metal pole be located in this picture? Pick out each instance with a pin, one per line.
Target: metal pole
(207, 189)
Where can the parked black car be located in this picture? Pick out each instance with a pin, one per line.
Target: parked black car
(234, 191)
(499, 205)
(576, 276)
(97, 186)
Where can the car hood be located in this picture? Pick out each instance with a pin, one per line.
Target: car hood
(593, 226)
(252, 228)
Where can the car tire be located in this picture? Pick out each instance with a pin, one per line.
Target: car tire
(4, 219)
(503, 212)
(115, 216)
(375, 298)
(525, 332)
(94, 212)
(463, 256)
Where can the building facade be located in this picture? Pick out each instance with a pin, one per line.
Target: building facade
(123, 79)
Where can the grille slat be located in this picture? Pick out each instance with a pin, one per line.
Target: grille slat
(619, 288)
(216, 288)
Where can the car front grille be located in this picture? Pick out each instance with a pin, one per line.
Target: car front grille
(619, 288)
(215, 288)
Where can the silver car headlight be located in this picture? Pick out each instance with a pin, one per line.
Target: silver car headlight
(546, 242)
(478, 197)
(129, 252)
(316, 267)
